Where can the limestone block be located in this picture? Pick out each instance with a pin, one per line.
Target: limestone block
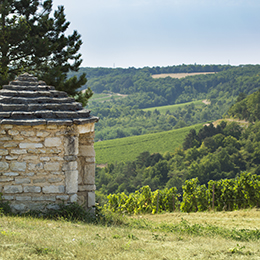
(53, 189)
(6, 179)
(23, 198)
(7, 126)
(71, 181)
(87, 187)
(89, 174)
(3, 152)
(36, 206)
(30, 145)
(91, 199)
(5, 138)
(70, 158)
(43, 198)
(4, 166)
(90, 159)
(30, 157)
(54, 180)
(43, 134)
(10, 144)
(32, 189)
(86, 128)
(35, 139)
(8, 197)
(45, 159)
(52, 142)
(51, 166)
(70, 166)
(10, 158)
(19, 207)
(11, 174)
(22, 180)
(53, 206)
(13, 132)
(18, 138)
(87, 150)
(56, 158)
(74, 198)
(35, 166)
(28, 133)
(18, 166)
(13, 189)
(2, 132)
(18, 151)
(29, 173)
(71, 145)
(62, 197)
(40, 180)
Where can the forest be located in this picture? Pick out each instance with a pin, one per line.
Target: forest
(125, 116)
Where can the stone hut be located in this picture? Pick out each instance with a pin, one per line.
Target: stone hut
(46, 147)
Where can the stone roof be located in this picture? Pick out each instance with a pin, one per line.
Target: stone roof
(27, 101)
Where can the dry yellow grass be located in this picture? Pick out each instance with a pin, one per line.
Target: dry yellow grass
(28, 238)
(180, 75)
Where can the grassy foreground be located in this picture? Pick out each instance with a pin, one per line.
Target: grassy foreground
(208, 235)
(128, 148)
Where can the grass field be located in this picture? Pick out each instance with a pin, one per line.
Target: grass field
(180, 75)
(209, 235)
(105, 97)
(173, 108)
(126, 149)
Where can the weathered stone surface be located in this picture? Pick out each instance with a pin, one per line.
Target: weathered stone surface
(43, 134)
(35, 166)
(51, 166)
(10, 144)
(13, 189)
(39, 180)
(6, 179)
(52, 142)
(5, 138)
(91, 199)
(89, 174)
(87, 150)
(19, 207)
(74, 198)
(8, 197)
(4, 166)
(54, 180)
(23, 198)
(13, 132)
(90, 160)
(71, 181)
(71, 145)
(45, 159)
(11, 174)
(87, 187)
(43, 198)
(30, 145)
(62, 197)
(70, 166)
(30, 158)
(18, 166)
(53, 189)
(11, 158)
(3, 152)
(28, 133)
(32, 189)
(86, 128)
(22, 180)
(18, 151)
(70, 158)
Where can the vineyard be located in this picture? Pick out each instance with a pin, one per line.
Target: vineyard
(226, 194)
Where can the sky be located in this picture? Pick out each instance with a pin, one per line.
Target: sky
(140, 33)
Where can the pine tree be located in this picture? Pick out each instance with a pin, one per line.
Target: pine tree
(33, 40)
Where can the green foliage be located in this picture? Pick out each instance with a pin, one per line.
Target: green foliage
(4, 207)
(144, 201)
(34, 40)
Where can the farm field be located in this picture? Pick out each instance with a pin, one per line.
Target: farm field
(173, 108)
(102, 97)
(128, 148)
(209, 235)
(179, 75)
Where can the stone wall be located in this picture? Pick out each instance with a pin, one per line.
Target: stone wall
(41, 166)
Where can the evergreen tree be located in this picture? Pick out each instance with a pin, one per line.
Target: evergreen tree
(31, 40)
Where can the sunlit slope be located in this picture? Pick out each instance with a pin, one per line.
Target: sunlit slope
(128, 148)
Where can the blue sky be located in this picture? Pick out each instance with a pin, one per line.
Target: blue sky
(139, 33)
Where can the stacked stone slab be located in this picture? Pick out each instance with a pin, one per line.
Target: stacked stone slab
(46, 147)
